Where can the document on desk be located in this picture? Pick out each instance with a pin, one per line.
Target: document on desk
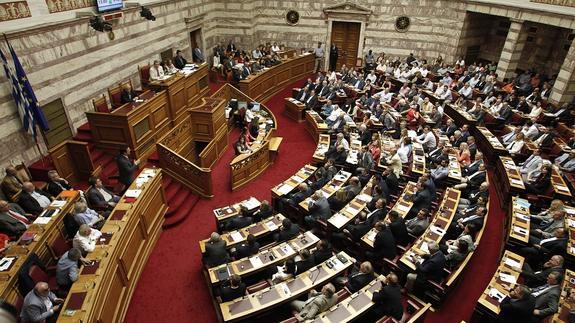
(42, 220)
(520, 230)
(495, 293)
(58, 203)
(133, 193)
(338, 220)
(364, 197)
(256, 262)
(285, 189)
(251, 203)
(424, 247)
(271, 226)
(512, 263)
(371, 235)
(569, 210)
(6, 262)
(287, 249)
(402, 208)
(516, 182)
(522, 216)
(297, 178)
(510, 279)
(236, 236)
(337, 264)
(437, 230)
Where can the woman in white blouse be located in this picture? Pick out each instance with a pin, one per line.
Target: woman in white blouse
(536, 110)
(516, 145)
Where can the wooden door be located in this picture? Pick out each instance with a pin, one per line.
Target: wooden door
(58, 121)
(345, 35)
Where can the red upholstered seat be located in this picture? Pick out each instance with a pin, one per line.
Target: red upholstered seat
(144, 75)
(59, 247)
(115, 94)
(101, 105)
(39, 275)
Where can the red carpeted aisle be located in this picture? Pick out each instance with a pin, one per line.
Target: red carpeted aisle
(172, 288)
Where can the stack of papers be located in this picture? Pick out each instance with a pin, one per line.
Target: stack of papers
(271, 225)
(256, 262)
(512, 263)
(338, 220)
(424, 247)
(42, 220)
(371, 235)
(520, 230)
(284, 189)
(236, 236)
(516, 182)
(510, 279)
(133, 193)
(364, 197)
(402, 208)
(58, 203)
(251, 203)
(493, 292)
(287, 249)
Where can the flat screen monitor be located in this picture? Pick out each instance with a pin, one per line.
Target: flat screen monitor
(255, 106)
(242, 105)
(107, 5)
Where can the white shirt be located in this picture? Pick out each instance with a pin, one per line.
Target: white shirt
(466, 91)
(275, 48)
(403, 153)
(515, 147)
(107, 197)
(86, 244)
(427, 140)
(531, 132)
(156, 73)
(41, 199)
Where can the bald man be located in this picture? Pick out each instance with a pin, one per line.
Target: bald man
(40, 304)
(388, 299)
(33, 200)
(12, 223)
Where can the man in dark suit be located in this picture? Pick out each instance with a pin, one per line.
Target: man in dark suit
(333, 55)
(383, 244)
(127, 95)
(545, 138)
(197, 55)
(357, 279)
(12, 223)
(539, 251)
(305, 262)
(518, 306)
(505, 114)
(100, 197)
(357, 229)
(216, 253)
(179, 60)
(235, 289)
(398, 229)
(288, 231)
(303, 94)
(421, 199)
(474, 180)
(56, 184)
(474, 166)
(247, 248)
(33, 200)
(547, 296)
(293, 199)
(389, 182)
(449, 128)
(388, 299)
(126, 167)
(322, 252)
(242, 220)
(318, 208)
(537, 278)
(311, 100)
(430, 268)
(378, 214)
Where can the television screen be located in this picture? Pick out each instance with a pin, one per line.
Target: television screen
(242, 105)
(255, 106)
(107, 5)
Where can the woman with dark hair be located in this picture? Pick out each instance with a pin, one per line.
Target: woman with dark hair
(241, 146)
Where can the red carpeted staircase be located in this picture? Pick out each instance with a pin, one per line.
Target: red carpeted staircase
(181, 201)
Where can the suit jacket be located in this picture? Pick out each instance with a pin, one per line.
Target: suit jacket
(216, 253)
(96, 199)
(376, 216)
(357, 231)
(517, 311)
(421, 200)
(245, 250)
(304, 265)
(547, 303)
(126, 169)
(55, 188)
(10, 226)
(238, 222)
(547, 141)
(431, 268)
(476, 179)
(227, 293)
(416, 226)
(357, 280)
(34, 309)
(311, 102)
(471, 168)
(285, 235)
(320, 209)
(320, 256)
(127, 96)
(388, 301)
(384, 244)
(449, 131)
(29, 204)
(180, 62)
(554, 247)
(399, 231)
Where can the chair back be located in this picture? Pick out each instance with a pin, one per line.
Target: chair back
(144, 75)
(59, 247)
(101, 105)
(115, 94)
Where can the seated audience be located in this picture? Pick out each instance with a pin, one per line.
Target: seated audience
(417, 225)
(429, 266)
(518, 306)
(56, 184)
(358, 278)
(33, 200)
(315, 304)
(11, 184)
(12, 223)
(67, 269)
(384, 245)
(86, 239)
(288, 231)
(100, 197)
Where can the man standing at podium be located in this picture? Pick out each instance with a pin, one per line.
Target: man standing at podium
(179, 60)
(126, 167)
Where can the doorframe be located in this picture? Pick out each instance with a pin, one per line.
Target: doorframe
(359, 45)
(192, 25)
(347, 11)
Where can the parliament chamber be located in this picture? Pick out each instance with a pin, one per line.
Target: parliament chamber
(265, 161)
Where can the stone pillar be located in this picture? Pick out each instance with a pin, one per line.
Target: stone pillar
(512, 49)
(564, 87)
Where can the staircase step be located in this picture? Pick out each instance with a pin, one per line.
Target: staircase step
(177, 201)
(172, 190)
(84, 128)
(166, 181)
(96, 154)
(183, 213)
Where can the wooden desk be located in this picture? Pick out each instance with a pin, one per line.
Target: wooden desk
(559, 186)
(315, 124)
(508, 179)
(436, 229)
(135, 226)
(454, 168)
(264, 300)
(258, 229)
(323, 144)
(459, 115)
(510, 265)
(418, 163)
(353, 208)
(401, 206)
(354, 149)
(291, 183)
(488, 144)
(45, 236)
(520, 222)
(265, 258)
(264, 85)
(225, 213)
(334, 185)
(565, 305)
(294, 109)
(570, 226)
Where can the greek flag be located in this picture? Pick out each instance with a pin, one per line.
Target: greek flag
(24, 97)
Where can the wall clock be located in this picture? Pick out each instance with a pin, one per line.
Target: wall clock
(292, 17)
(402, 24)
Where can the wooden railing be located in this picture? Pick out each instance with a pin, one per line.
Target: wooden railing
(244, 170)
(196, 178)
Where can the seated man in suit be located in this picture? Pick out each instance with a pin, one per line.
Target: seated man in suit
(247, 248)
(474, 180)
(318, 207)
(315, 304)
(518, 306)
(85, 215)
(356, 230)
(383, 245)
(322, 252)
(234, 289)
(304, 261)
(397, 226)
(56, 184)
(566, 162)
(546, 228)
(474, 166)
(293, 199)
(419, 223)
(216, 253)
(311, 100)
(179, 61)
(476, 218)
(547, 296)
(242, 220)
(429, 266)
(40, 304)
(421, 199)
(388, 299)
(540, 250)
(33, 200)
(11, 184)
(12, 223)
(85, 239)
(537, 278)
(474, 195)
(378, 213)
(544, 139)
(358, 278)
(288, 231)
(99, 196)
(337, 153)
(127, 95)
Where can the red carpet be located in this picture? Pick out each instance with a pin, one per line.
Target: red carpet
(172, 288)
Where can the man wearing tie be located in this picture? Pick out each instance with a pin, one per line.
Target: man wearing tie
(311, 100)
(531, 164)
(547, 296)
(302, 94)
(566, 162)
(12, 223)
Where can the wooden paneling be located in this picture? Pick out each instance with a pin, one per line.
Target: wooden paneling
(58, 122)
(345, 35)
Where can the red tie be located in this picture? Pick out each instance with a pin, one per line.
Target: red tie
(18, 217)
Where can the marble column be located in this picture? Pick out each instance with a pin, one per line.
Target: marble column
(512, 49)
(564, 87)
